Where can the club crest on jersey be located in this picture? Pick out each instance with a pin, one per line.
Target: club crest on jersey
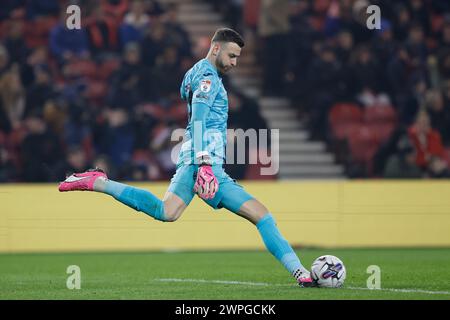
(205, 85)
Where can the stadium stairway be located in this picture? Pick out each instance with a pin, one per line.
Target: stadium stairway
(300, 158)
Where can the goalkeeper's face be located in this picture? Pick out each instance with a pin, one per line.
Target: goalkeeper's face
(227, 56)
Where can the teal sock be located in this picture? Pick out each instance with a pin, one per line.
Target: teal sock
(138, 199)
(277, 245)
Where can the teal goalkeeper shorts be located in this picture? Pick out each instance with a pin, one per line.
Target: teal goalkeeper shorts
(230, 195)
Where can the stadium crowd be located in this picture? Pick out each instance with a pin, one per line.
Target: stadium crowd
(108, 95)
(379, 97)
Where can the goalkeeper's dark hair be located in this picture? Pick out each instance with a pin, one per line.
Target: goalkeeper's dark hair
(228, 35)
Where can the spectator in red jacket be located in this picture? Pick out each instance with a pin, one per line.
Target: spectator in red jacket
(426, 140)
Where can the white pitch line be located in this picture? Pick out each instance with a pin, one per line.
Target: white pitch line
(219, 281)
(247, 283)
(402, 290)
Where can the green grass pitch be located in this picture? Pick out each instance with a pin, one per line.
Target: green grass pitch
(405, 274)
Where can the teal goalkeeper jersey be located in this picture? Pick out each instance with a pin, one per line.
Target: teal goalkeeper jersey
(203, 86)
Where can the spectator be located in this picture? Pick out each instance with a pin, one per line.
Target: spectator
(15, 42)
(115, 138)
(416, 45)
(77, 124)
(103, 162)
(347, 15)
(11, 8)
(426, 140)
(38, 8)
(37, 56)
(384, 47)
(243, 114)
(168, 64)
(41, 151)
(274, 29)
(419, 14)
(364, 68)
(137, 17)
(398, 77)
(102, 33)
(67, 44)
(40, 91)
(12, 100)
(76, 161)
(4, 60)
(128, 84)
(402, 22)
(345, 46)
(134, 23)
(439, 114)
(114, 9)
(178, 36)
(402, 164)
(325, 86)
(161, 145)
(444, 64)
(153, 9)
(154, 43)
(8, 170)
(444, 41)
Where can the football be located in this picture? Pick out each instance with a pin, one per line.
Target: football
(328, 272)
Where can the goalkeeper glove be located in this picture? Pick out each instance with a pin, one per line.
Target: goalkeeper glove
(206, 184)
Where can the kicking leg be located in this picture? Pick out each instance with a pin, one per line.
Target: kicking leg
(169, 209)
(276, 244)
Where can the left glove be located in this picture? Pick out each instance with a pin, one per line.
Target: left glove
(206, 184)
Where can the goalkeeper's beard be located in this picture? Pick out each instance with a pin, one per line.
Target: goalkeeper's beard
(221, 66)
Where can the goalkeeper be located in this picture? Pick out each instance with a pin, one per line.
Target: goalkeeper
(200, 162)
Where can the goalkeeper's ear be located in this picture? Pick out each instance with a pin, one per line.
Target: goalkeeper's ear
(215, 48)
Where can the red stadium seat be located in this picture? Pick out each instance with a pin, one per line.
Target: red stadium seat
(342, 131)
(251, 12)
(382, 131)
(37, 31)
(153, 109)
(344, 118)
(2, 29)
(380, 114)
(178, 112)
(141, 156)
(106, 69)
(447, 154)
(345, 113)
(96, 91)
(363, 144)
(253, 171)
(84, 68)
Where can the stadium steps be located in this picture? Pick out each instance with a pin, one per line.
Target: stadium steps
(300, 158)
(311, 171)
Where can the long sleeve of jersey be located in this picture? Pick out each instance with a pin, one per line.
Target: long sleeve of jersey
(199, 115)
(204, 94)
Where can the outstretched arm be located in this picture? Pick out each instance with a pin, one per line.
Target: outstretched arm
(206, 184)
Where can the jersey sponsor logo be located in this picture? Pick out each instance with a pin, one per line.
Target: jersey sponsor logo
(201, 96)
(205, 85)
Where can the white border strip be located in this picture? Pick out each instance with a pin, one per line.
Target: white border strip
(265, 284)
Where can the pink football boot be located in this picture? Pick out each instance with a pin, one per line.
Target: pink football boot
(304, 279)
(82, 181)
